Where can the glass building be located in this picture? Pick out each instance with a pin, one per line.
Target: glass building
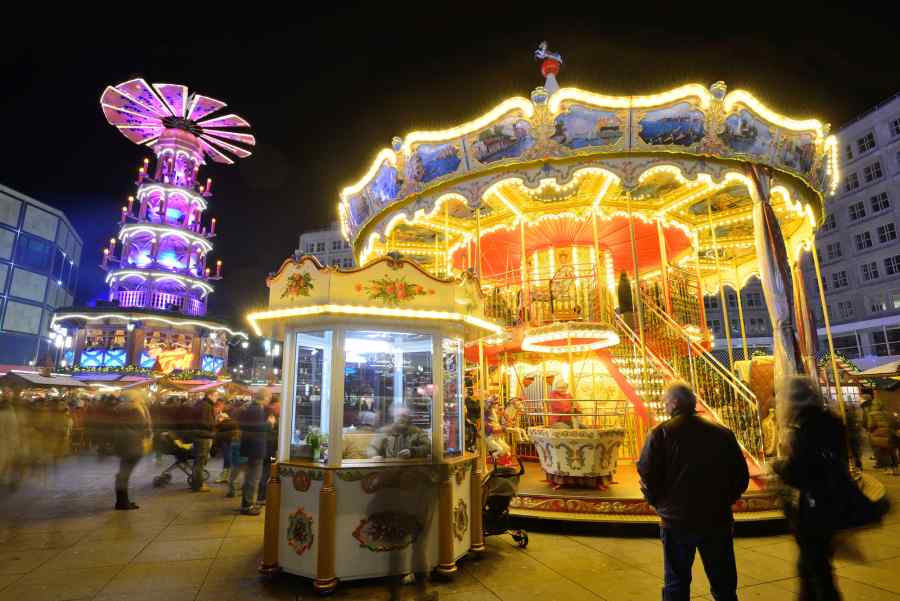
(40, 253)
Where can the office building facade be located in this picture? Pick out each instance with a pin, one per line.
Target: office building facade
(40, 255)
(328, 246)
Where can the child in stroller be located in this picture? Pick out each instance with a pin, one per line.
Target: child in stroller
(168, 443)
(498, 489)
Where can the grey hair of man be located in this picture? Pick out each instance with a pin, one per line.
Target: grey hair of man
(262, 396)
(679, 399)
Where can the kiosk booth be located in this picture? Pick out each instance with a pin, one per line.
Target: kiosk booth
(371, 462)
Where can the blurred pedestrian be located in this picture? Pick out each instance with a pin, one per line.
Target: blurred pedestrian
(228, 433)
(204, 430)
(854, 433)
(882, 426)
(254, 426)
(692, 471)
(816, 461)
(272, 414)
(9, 439)
(131, 440)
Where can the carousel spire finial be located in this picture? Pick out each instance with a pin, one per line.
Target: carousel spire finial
(550, 65)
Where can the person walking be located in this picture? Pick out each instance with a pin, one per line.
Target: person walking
(816, 460)
(131, 440)
(692, 471)
(228, 434)
(881, 428)
(272, 415)
(204, 431)
(254, 426)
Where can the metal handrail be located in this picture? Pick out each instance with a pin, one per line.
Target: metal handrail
(709, 357)
(751, 444)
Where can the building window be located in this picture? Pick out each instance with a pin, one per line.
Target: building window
(34, 253)
(310, 247)
(848, 152)
(886, 342)
(863, 240)
(732, 300)
(857, 211)
(711, 302)
(887, 232)
(347, 263)
(872, 172)
(754, 299)
(877, 305)
(880, 202)
(833, 251)
(851, 182)
(892, 265)
(845, 309)
(869, 271)
(866, 143)
(714, 325)
(895, 127)
(847, 345)
(320, 246)
(839, 279)
(829, 223)
(758, 326)
(335, 245)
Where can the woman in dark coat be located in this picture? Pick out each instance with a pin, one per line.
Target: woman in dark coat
(817, 459)
(131, 434)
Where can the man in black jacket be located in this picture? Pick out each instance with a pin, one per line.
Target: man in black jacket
(692, 471)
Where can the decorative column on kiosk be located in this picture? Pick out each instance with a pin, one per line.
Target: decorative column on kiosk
(163, 241)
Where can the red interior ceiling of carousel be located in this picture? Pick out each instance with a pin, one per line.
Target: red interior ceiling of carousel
(500, 249)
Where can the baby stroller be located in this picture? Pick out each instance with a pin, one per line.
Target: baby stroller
(168, 443)
(501, 486)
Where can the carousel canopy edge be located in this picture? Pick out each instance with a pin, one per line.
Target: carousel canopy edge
(691, 123)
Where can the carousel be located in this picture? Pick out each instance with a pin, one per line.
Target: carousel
(596, 225)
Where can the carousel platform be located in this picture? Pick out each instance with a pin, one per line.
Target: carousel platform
(622, 502)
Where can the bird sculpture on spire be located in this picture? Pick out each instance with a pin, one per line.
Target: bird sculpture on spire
(551, 62)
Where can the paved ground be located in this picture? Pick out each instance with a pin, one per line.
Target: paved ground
(59, 540)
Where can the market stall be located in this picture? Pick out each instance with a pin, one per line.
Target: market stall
(371, 465)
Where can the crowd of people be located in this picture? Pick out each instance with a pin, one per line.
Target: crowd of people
(37, 431)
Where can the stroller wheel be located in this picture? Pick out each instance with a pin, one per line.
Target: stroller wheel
(521, 538)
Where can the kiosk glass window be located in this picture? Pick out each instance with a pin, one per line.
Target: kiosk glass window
(388, 395)
(453, 400)
(312, 395)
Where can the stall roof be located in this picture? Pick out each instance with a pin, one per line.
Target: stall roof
(887, 370)
(35, 379)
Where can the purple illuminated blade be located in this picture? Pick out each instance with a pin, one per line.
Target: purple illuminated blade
(140, 134)
(236, 150)
(225, 121)
(215, 154)
(174, 95)
(117, 116)
(202, 106)
(231, 135)
(141, 92)
(117, 99)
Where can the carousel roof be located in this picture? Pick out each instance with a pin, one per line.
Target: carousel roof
(688, 157)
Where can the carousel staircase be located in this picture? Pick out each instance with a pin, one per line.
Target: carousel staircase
(672, 353)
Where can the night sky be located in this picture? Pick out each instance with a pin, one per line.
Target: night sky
(323, 96)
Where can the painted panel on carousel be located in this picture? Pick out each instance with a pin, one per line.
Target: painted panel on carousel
(506, 139)
(432, 161)
(745, 133)
(677, 125)
(580, 127)
(384, 187)
(796, 151)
